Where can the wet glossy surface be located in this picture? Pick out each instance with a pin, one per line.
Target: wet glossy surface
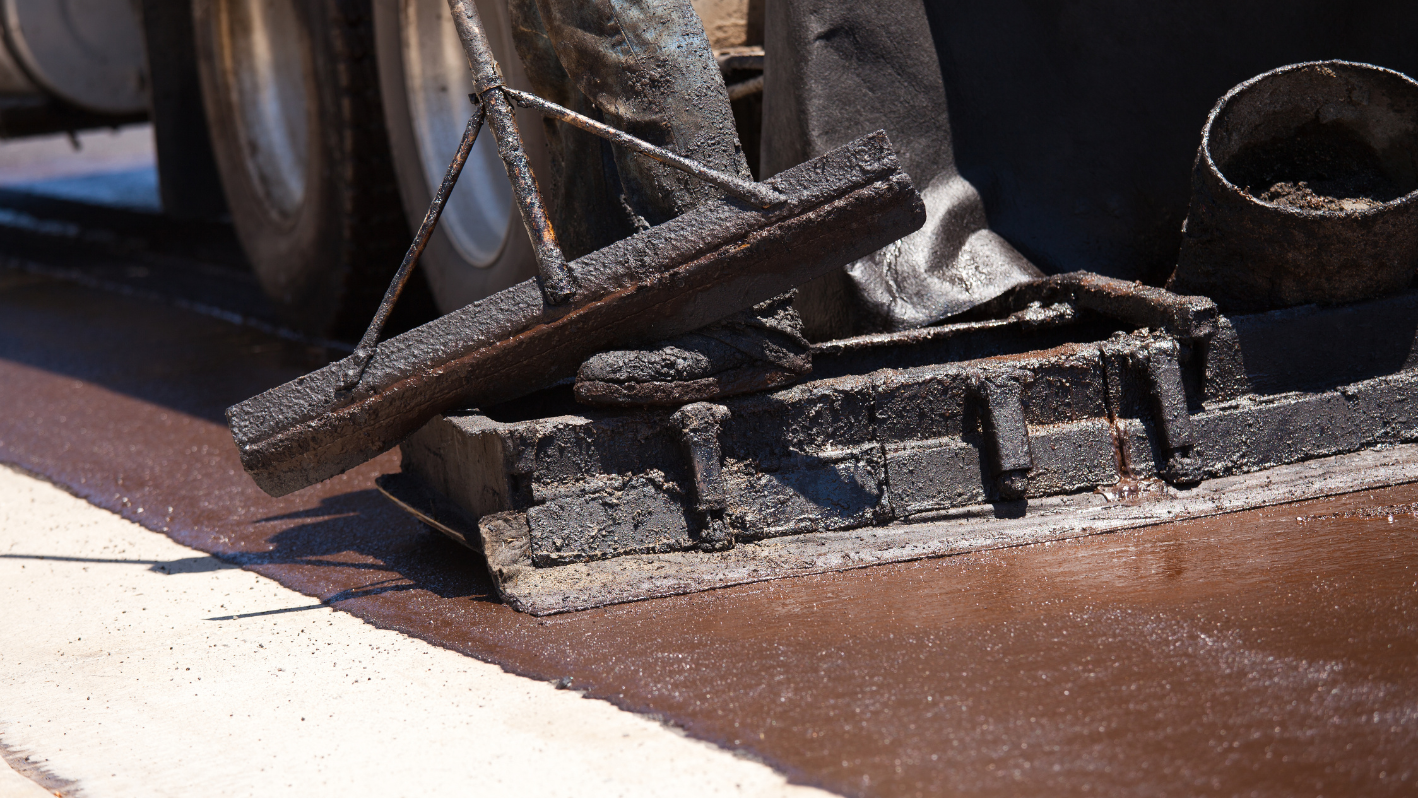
(1250, 654)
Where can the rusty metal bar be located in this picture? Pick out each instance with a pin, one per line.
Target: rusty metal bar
(757, 194)
(557, 285)
(486, 74)
(1190, 318)
(365, 350)
(753, 85)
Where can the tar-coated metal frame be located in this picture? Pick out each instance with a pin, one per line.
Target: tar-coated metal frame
(1074, 405)
(493, 102)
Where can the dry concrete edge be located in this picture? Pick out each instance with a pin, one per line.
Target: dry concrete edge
(120, 674)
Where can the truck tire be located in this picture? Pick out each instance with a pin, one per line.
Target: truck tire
(188, 181)
(291, 94)
(480, 246)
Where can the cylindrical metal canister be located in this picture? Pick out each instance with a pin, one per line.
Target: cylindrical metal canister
(88, 53)
(1304, 190)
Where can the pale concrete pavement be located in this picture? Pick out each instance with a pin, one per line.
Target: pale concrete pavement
(116, 675)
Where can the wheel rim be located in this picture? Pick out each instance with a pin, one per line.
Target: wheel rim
(265, 58)
(475, 219)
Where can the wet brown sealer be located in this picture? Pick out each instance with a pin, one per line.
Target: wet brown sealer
(1271, 651)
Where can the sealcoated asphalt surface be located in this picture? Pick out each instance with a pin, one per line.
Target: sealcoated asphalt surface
(1272, 652)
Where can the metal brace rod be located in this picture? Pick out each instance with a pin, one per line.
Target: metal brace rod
(493, 101)
(557, 285)
(1161, 370)
(370, 341)
(757, 194)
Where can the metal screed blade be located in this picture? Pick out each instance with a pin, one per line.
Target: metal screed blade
(719, 258)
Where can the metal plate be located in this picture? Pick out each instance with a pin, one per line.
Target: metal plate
(566, 588)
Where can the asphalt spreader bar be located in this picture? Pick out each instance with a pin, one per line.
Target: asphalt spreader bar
(722, 257)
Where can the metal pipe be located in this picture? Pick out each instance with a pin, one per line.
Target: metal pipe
(551, 264)
(486, 73)
(753, 85)
(557, 285)
(365, 350)
(756, 194)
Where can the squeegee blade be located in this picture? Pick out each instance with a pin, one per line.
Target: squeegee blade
(718, 259)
